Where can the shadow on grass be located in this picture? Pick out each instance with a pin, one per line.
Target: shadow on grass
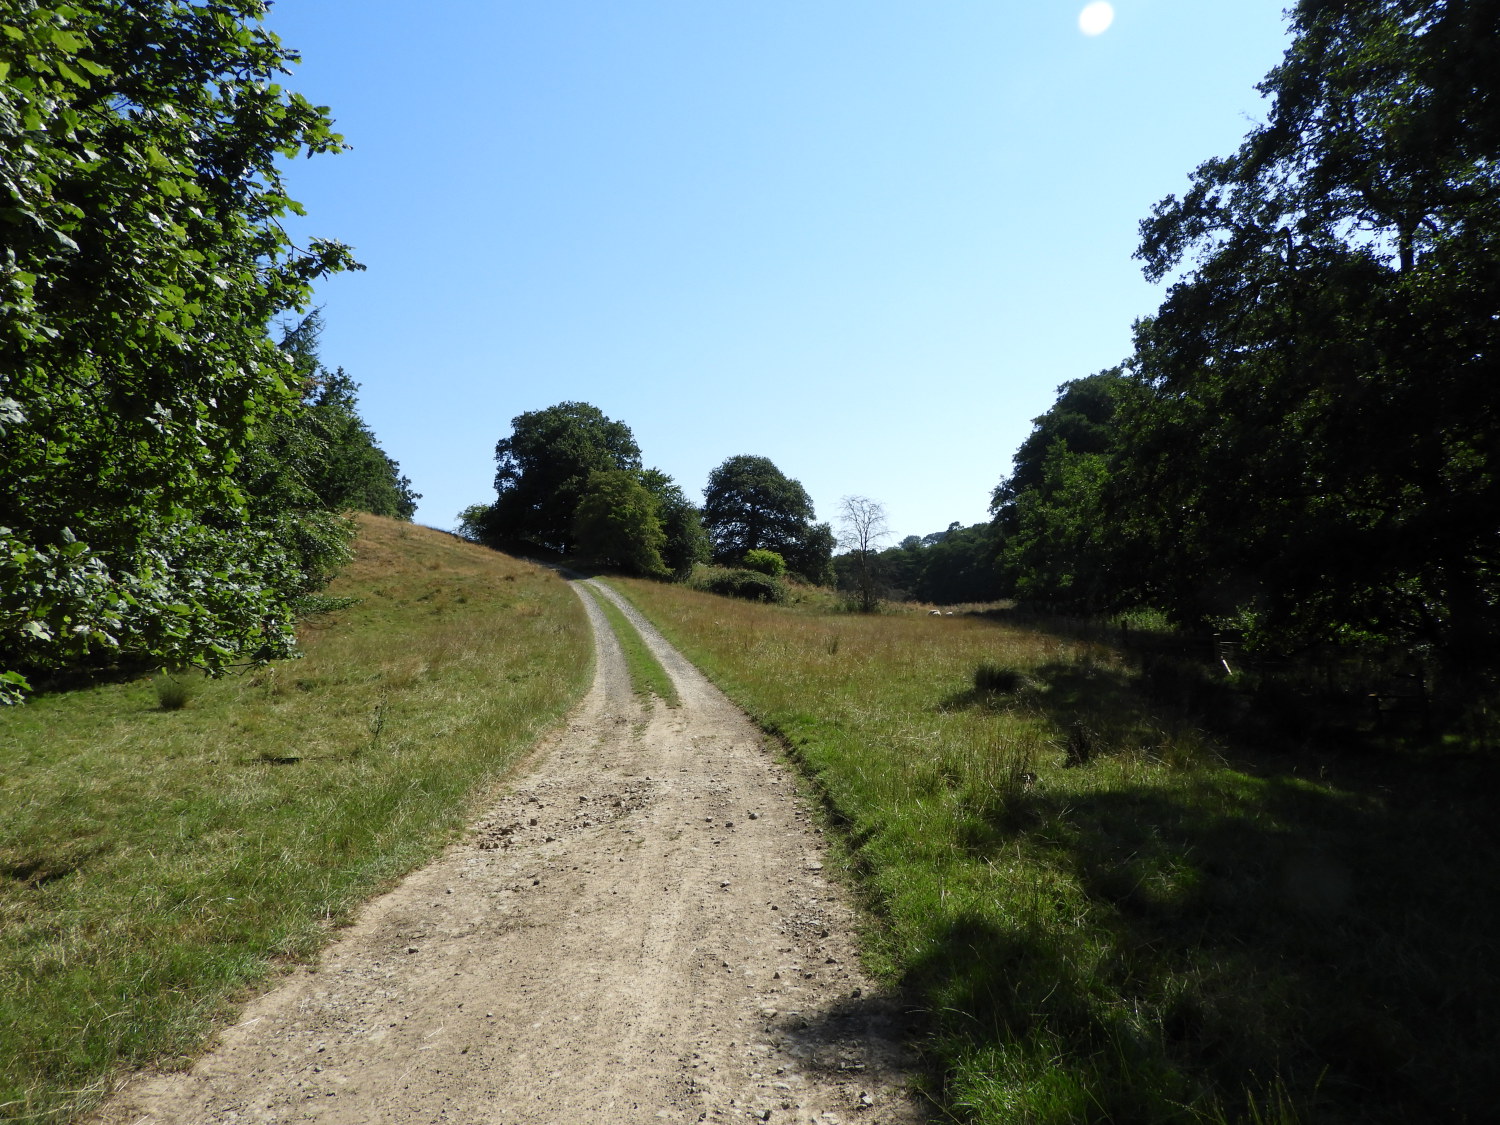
(1328, 947)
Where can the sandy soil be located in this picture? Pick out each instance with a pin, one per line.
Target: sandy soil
(639, 931)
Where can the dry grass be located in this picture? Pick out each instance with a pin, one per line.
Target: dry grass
(156, 863)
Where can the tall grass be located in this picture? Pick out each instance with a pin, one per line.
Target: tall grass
(1106, 916)
(155, 863)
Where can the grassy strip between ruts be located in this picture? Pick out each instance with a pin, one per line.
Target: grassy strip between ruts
(156, 864)
(647, 676)
(1104, 920)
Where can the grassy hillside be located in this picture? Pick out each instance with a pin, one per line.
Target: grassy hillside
(156, 863)
(1109, 918)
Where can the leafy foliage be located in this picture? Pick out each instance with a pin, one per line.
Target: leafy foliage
(734, 582)
(1306, 446)
(687, 542)
(764, 562)
(323, 454)
(141, 199)
(749, 503)
(1333, 354)
(1056, 546)
(617, 524)
(543, 470)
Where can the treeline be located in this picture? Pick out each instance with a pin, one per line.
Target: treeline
(570, 482)
(1303, 449)
(172, 474)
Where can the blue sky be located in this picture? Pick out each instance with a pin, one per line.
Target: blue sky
(863, 238)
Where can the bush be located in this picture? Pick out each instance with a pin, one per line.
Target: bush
(764, 562)
(745, 584)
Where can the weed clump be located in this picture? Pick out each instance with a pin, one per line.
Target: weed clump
(173, 692)
(996, 679)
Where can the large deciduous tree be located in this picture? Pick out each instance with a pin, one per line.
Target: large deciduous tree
(618, 523)
(142, 257)
(543, 470)
(749, 503)
(1055, 544)
(687, 542)
(1316, 453)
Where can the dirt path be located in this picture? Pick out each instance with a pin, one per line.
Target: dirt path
(638, 932)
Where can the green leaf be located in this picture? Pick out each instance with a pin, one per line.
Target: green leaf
(71, 75)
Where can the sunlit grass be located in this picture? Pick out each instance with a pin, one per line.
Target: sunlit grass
(1103, 918)
(155, 862)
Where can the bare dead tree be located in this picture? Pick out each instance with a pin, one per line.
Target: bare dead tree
(863, 526)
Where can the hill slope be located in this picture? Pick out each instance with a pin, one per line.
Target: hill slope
(154, 863)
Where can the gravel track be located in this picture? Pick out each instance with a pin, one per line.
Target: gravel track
(638, 931)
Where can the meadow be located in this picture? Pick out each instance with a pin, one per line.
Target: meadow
(1102, 913)
(169, 843)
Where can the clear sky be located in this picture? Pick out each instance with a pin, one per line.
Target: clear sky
(865, 239)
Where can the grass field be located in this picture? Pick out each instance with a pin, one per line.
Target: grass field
(155, 864)
(1107, 917)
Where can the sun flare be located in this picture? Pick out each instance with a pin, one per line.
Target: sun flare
(1096, 18)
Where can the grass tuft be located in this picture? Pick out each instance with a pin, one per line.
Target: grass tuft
(173, 691)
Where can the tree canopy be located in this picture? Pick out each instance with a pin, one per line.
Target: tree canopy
(322, 455)
(749, 503)
(1308, 449)
(543, 469)
(141, 200)
(618, 523)
(1332, 355)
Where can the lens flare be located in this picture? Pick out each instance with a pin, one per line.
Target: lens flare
(1096, 18)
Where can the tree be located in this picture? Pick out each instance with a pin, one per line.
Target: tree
(749, 503)
(1330, 357)
(1053, 537)
(617, 524)
(323, 455)
(141, 197)
(864, 526)
(686, 540)
(543, 469)
(811, 555)
(959, 565)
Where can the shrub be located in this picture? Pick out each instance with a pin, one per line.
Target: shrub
(745, 584)
(764, 562)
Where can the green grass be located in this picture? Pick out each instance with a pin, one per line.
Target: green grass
(647, 676)
(163, 851)
(1106, 916)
